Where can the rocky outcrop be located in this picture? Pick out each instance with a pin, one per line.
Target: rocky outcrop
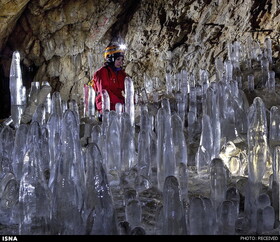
(62, 41)
(10, 13)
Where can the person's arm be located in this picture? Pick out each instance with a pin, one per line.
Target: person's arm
(97, 85)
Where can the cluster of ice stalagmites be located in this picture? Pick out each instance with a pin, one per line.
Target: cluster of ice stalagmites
(63, 173)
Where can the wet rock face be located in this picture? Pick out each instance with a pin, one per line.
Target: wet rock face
(62, 41)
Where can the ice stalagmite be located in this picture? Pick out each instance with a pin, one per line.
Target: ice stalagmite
(34, 90)
(73, 105)
(168, 83)
(268, 49)
(274, 142)
(226, 214)
(39, 115)
(9, 190)
(251, 82)
(144, 139)
(6, 149)
(105, 222)
(95, 135)
(228, 70)
(265, 214)
(165, 152)
(129, 99)
(265, 71)
(169, 163)
(103, 139)
(183, 181)
(184, 87)
(153, 152)
(160, 124)
(16, 87)
(219, 67)
(19, 150)
(218, 181)
(34, 194)
(268, 214)
(17, 90)
(192, 106)
(275, 181)
(8, 181)
(174, 220)
(54, 135)
(147, 129)
(258, 153)
(144, 156)
(209, 223)
(204, 79)
(181, 105)
(165, 149)
(35, 109)
(203, 155)
(227, 109)
(78, 166)
(196, 216)
(45, 159)
(232, 194)
(91, 103)
(213, 104)
(84, 100)
(56, 105)
(271, 82)
(92, 158)
(69, 182)
(240, 105)
(180, 154)
(127, 143)
(257, 140)
(113, 144)
(48, 106)
(179, 141)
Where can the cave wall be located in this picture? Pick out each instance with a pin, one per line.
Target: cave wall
(62, 42)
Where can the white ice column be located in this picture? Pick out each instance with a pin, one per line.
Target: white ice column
(129, 98)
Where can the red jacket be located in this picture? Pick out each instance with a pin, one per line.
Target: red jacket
(113, 82)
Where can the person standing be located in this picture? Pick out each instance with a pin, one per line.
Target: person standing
(110, 77)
